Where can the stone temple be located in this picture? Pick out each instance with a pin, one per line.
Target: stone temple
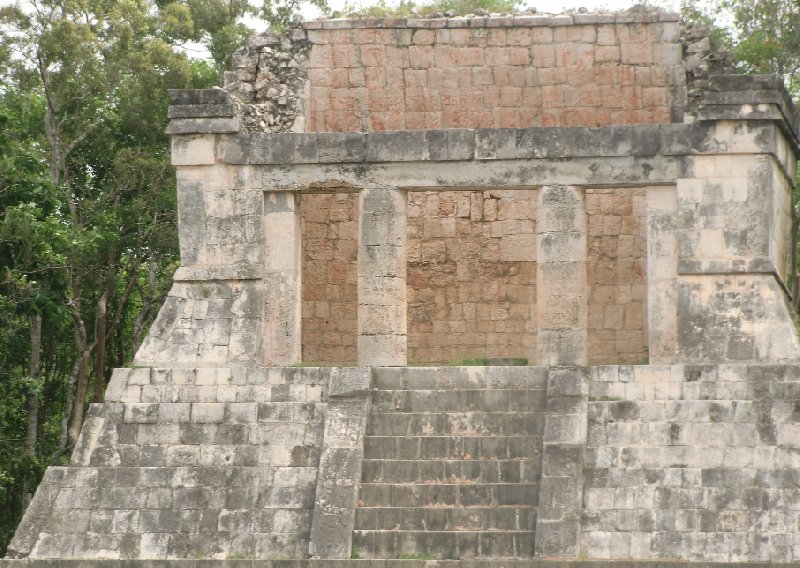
(586, 205)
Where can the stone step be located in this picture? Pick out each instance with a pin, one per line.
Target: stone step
(455, 423)
(453, 447)
(463, 471)
(445, 519)
(457, 378)
(487, 400)
(448, 495)
(444, 544)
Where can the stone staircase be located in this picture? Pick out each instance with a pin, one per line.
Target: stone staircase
(452, 464)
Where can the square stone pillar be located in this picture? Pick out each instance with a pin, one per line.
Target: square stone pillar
(382, 334)
(662, 273)
(561, 276)
(282, 286)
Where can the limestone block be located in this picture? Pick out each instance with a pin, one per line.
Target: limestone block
(349, 382)
(340, 147)
(397, 146)
(451, 144)
(281, 227)
(191, 215)
(381, 261)
(561, 347)
(193, 150)
(382, 350)
(202, 125)
(381, 319)
(560, 279)
(382, 213)
(382, 290)
(568, 381)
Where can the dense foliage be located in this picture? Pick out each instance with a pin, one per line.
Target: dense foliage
(87, 203)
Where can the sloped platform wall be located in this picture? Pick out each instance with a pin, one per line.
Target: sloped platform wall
(661, 462)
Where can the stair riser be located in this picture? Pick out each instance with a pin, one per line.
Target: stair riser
(456, 424)
(472, 519)
(453, 447)
(458, 401)
(486, 471)
(500, 495)
(380, 544)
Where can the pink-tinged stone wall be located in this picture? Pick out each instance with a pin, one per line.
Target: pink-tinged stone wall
(616, 274)
(330, 231)
(518, 74)
(471, 275)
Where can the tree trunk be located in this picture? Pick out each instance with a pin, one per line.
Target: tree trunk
(100, 363)
(79, 381)
(33, 393)
(141, 317)
(32, 425)
(80, 398)
(69, 405)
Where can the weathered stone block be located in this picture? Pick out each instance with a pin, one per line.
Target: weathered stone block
(349, 382)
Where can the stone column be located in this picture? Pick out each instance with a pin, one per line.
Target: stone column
(282, 271)
(382, 339)
(561, 276)
(662, 273)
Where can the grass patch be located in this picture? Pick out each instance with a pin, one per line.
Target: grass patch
(417, 556)
(489, 361)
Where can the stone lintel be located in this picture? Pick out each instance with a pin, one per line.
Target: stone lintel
(491, 144)
(200, 273)
(612, 172)
(201, 111)
(203, 125)
(215, 96)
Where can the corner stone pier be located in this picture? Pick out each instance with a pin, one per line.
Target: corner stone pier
(586, 193)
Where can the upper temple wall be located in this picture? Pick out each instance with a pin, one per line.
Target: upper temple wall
(502, 72)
